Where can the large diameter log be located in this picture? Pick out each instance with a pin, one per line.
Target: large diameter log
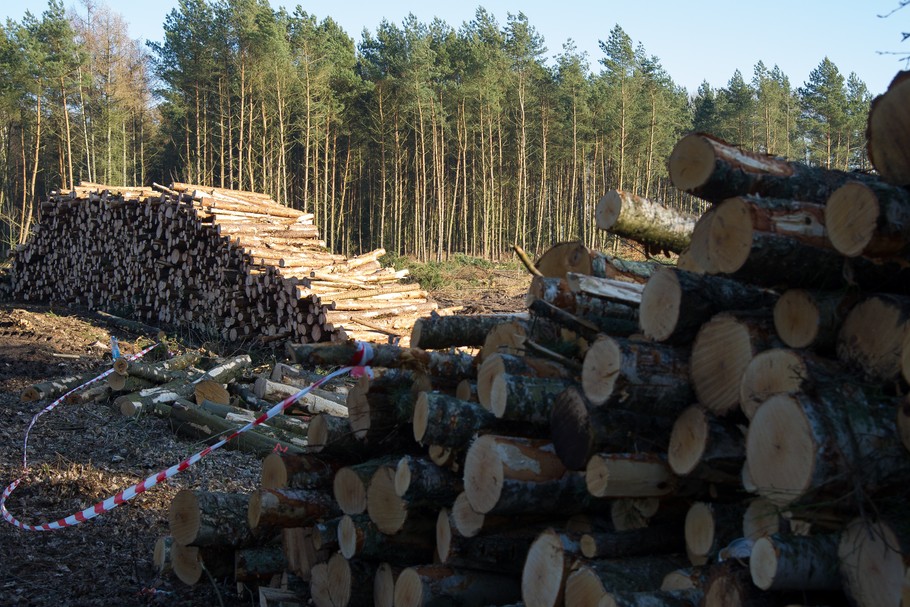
(665, 538)
(520, 398)
(736, 248)
(645, 377)
(831, 444)
(437, 332)
(444, 364)
(442, 585)
(782, 371)
(873, 563)
(443, 420)
(349, 486)
(675, 303)
(53, 388)
(888, 133)
(204, 518)
(360, 537)
(688, 597)
(710, 528)
(579, 429)
(789, 562)
(657, 226)
(297, 471)
(591, 581)
(805, 318)
(723, 348)
(342, 583)
(871, 219)
(704, 447)
(258, 565)
(629, 475)
(715, 170)
(509, 475)
(289, 507)
(873, 335)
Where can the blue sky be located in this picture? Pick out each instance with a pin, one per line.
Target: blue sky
(695, 41)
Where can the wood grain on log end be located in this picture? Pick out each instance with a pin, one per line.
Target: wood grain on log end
(384, 586)
(775, 371)
(780, 449)
(851, 218)
(691, 162)
(349, 490)
(387, 511)
(186, 563)
(660, 305)
(796, 318)
(688, 440)
(873, 335)
(730, 236)
(720, 354)
(468, 522)
(601, 369)
(872, 567)
(762, 518)
(543, 575)
(183, 517)
(583, 588)
(888, 131)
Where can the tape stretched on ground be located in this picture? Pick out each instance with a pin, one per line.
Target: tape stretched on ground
(361, 358)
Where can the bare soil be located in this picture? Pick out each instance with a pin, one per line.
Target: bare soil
(81, 454)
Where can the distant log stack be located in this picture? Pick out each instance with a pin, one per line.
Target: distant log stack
(222, 262)
(690, 460)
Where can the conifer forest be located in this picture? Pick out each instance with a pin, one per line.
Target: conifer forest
(425, 139)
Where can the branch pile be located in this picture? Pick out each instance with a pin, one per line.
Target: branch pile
(228, 263)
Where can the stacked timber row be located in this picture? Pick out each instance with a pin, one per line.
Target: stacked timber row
(227, 263)
(646, 435)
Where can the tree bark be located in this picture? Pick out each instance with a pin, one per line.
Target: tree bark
(289, 507)
(675, 303)
(788, 562)
(714, 170)
(706, 448)
(658, 227)
(203, 518)
(437, 332)
(441, 585)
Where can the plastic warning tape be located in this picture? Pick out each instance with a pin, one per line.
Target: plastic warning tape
(54, 404)
(361, 358)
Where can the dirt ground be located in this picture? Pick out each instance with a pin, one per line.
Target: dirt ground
(81, 454)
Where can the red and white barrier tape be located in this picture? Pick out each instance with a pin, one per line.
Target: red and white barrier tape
(360, 359)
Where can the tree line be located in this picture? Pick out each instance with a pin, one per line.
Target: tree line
(421, 138)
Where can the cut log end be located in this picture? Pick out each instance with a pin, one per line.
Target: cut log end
(542, 576)
(851, 217)
(468, 522)
(349, 491)
(600, 370)
(274, 472)
(872, 567)
(183, 517)
(421, 417)
(763, 563)
(721, 352)
(761, 519)
(187, 563)
(658, 312)
(699, 530)
(775, 371)
(688, 440)
(443, 535)
(607, 210)
(409, 589)
(483, 475)
(730, 236)
(384, 586)
(347, 537)
(796, 318)
(872, 338)
(691, 162)
(387, 511)
(780, 449)
(888, 132)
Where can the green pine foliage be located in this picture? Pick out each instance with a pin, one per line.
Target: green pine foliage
(425, 139)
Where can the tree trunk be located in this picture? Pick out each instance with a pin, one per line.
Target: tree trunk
(442, 585)
(715, 170)
(873, 563)
(886, 132)
(203, 518)
(293, 471)
(591, 581)
(443, 420)
(805, 318)
(675, 303)
(359, 537)
(350, 484)
(788, 562)
(723, 348)
(665, 538)
(645, 377)
(873, 335)
(629, 475)
(289, 507)
(704, 447)
(710, 527)
(658, 227)
(839, 442)
(579, 429)
(439, 332)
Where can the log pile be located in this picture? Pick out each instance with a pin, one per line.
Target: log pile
(230, 264)
(744, 443)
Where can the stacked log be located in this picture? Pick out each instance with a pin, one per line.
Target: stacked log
(695, 460)
(231, 264)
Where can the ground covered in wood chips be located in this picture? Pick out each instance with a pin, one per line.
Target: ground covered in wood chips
(81, 454)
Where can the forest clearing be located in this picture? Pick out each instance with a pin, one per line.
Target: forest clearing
(426, 320)
(728, 429)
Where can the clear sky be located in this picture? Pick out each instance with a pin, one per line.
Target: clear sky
(695, 41)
